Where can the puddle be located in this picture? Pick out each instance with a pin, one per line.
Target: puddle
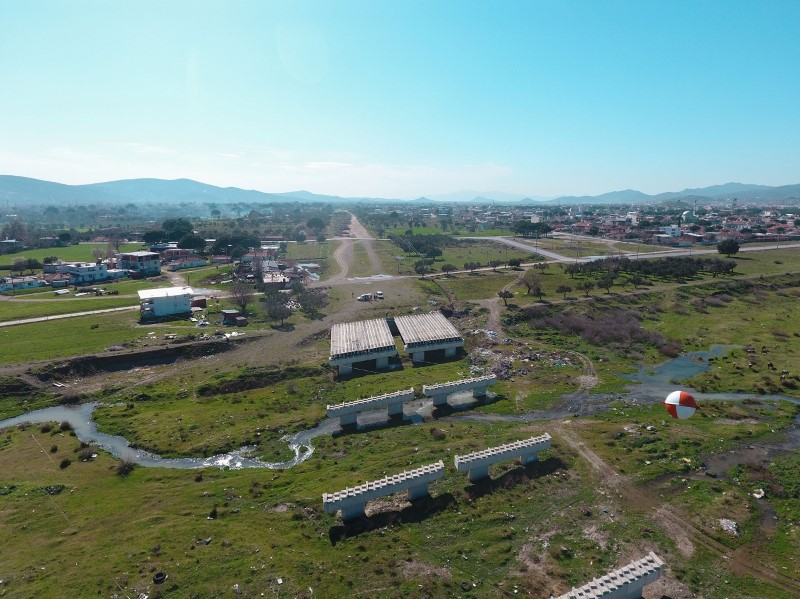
(372, 278)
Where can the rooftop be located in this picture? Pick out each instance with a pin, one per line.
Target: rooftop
(426, 328)
(164, 292)
(359, 337)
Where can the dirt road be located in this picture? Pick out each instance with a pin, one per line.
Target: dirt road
(678, 526)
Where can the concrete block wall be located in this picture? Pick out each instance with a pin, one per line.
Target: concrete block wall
(625, 583)
(478, 462)
(352, 501)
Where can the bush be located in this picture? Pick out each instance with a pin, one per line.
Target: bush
(125, 468)
(53, 448)
(65, 463)
(65, 426)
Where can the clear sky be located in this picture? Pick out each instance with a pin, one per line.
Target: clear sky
(403, 98)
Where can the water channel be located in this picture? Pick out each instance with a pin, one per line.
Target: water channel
(647, 385)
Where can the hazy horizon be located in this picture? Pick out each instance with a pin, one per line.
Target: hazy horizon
(403, 100)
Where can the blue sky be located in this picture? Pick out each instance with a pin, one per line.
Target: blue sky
(403, 98)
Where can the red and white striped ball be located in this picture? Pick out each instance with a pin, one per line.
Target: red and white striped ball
(680, 405)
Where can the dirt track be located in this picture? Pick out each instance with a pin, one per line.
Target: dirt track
(686, 535)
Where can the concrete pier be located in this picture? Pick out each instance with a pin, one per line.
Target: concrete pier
(440, 391)
(352, 502)
(477, 464)
(347, 412)
(627, 582)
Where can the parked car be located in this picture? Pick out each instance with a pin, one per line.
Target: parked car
(379, 295)
(364, 297)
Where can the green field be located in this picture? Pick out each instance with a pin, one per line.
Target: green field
(68, 336)
(599, 497)
(71, 253)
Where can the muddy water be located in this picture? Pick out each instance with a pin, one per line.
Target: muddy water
(647, 385)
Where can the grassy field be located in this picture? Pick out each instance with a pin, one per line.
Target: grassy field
(71, 253)
(68, 337)
(530, 531)
(19, 309)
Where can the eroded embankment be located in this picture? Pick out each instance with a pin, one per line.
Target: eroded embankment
(114, 362)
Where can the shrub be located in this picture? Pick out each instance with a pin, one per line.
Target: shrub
(53, 448)
(125, 468)
(64, 463)
(65, 426)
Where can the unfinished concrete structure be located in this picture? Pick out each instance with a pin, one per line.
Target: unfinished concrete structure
(348, 412)
(424, 333)
(440, 391)
(353, 501)
(353, 342)
(477, 464)
(625, 583)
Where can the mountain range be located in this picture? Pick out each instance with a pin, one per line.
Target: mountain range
(16, 191)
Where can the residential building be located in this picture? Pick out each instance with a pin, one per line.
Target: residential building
(169, 301)
(143, 264)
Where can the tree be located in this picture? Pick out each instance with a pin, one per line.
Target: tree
(728, 247)
(565, 289)
(447, 269)
(19, 265)
(241, 294)
(505, 295)
(530, 279)
(433, 252)
(494, 264)
(606, 281)
(175, 228)
(471, 266)
(315, 223)
(514, 262)
(537, 291)
(277, 310)
(151, 237)
(192, 241)
(586, 287)
(32, 264)
(421, 267)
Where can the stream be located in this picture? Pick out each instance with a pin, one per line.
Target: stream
(648, 385)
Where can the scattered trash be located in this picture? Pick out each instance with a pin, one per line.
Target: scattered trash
(159, 577)
(729, 526)
(758, 493)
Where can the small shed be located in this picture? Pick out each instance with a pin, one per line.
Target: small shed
(230, 316)
(241, 321)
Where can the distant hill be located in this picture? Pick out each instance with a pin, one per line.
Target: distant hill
(740, 191)
(18, 190)
(23, 190)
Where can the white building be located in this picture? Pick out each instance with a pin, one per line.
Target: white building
(81, 273)
(169, 301)
(143, 263)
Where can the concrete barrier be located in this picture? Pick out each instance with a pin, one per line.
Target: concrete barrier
(624, 583)
(347, 412)
(477, 464)
(353, 501)
(439, 392)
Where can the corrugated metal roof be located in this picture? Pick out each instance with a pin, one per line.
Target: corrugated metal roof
(426, 328)
(360, 336)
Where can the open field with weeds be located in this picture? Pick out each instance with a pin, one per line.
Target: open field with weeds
(620, 479)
